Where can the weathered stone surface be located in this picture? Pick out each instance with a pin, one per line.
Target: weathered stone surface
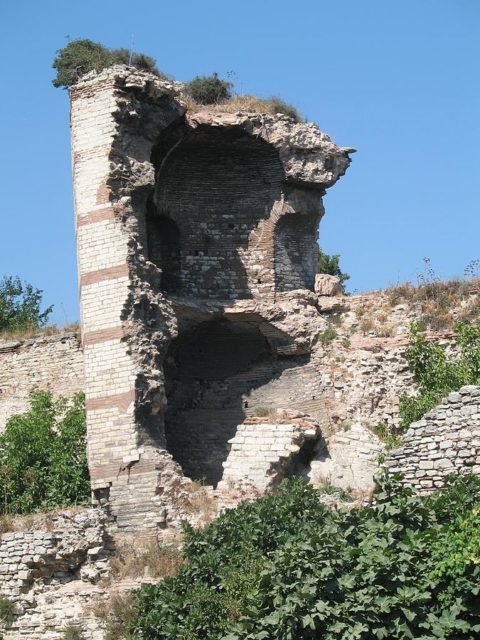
(327, 285)
(51, 573)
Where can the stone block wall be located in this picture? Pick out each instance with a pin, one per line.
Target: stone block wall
(49, 363)
(50, 572)
(446, 441)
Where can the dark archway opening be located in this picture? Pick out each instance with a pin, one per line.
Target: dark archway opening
(301, 462)
(164, 250)
(295, 251)
(210, 371)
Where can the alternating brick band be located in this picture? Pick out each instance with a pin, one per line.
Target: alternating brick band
(120, 401)
(102, 335)
(109, 273)
(96, 216)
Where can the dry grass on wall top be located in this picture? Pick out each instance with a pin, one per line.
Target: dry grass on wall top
(441, 303)
(26, 334)
(250, 104)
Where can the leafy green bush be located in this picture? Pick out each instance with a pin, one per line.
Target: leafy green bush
(43, 460)
(209, 89)
(331, 265)
(20, 306)
(437, 374)
(81, 56)
(287, 568)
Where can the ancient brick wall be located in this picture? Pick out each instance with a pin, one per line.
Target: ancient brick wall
(446, 441)
(172, 203)
(50, 363)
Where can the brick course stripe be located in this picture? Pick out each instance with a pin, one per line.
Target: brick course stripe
(102, 335)
(96, 216)
(113, 470)
(120, 401)
(109, 273)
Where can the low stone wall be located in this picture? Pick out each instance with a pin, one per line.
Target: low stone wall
(445, 441)
(50, 572)
(262, 450)
(52, 363)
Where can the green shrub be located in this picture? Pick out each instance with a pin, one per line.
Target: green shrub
(72, 632)
(437, 374)
(209, 89)
(280, 106)
(328, 335)
(82, 56)
(43, 460)
(20, 306)
(387, 435)
(287, 568)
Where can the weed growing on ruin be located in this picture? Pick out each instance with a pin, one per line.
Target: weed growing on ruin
(250, 104)
(20, 306)
(436, 373)
(43, 461)
(441, 304)
(7, 611)
(328, 335)
(285, 567)
(197, 499)
(264, 412)
(117, 614)
(387, 435)
(72, 632)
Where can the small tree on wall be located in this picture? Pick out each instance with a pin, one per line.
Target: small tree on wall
(20, 306)
(331, 265)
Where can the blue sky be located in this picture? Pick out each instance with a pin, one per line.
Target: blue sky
(398, 80)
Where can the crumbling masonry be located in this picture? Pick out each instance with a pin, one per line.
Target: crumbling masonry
(197, 252)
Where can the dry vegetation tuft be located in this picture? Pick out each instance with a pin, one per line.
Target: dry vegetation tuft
(115, 613)
(198, 500)
(147, 558)
(441, 303)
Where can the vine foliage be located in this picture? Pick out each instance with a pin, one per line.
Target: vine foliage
(43, 460)
(435, 372)
(286, 567)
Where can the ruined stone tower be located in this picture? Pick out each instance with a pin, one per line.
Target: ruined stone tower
(196, 238)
